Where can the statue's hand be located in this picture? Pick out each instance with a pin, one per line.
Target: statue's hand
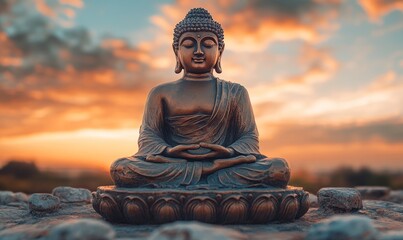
(180, 151)
(217, 151)
(162, 159)
(210, 167)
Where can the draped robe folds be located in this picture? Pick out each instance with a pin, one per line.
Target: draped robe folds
(231, 124)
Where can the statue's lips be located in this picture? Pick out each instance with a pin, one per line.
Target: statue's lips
(198, 60)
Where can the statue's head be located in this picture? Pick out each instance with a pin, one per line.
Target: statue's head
(198, 43)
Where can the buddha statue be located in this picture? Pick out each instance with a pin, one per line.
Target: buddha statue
(199, 130)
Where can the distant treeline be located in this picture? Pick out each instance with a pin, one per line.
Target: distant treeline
(21, 176)
(347, 177)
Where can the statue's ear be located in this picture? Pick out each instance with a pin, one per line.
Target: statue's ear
(217, 66)
(178, 67)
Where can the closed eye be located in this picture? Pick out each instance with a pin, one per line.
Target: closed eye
(208, 43)
(188, 43)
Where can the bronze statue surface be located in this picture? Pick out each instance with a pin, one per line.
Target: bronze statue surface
(199, 129)
(199, 132)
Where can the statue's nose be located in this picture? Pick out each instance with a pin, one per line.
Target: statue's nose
(198, 50)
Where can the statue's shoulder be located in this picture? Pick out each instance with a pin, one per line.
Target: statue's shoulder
(234, 87)
(163, 89)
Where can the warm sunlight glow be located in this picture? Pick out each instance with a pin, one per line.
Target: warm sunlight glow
(325, 78)
(87, 148)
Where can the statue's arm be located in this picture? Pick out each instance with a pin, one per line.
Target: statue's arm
(151, 139)
(247, 136)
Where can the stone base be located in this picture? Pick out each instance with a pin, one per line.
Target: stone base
(223, 206)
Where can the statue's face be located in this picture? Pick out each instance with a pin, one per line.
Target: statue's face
(198, 51)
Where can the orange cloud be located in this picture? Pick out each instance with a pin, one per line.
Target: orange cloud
(376, 155)
(314, 146)
(317, 66)
(73, 3)
(321, 67)
(61, 11)
(252, 25)
(66, 91)
(45, 9)
(378, 8)
(66, 80)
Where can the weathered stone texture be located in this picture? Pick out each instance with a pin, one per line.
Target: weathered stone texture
(82, 229)
(373, 192)
(395, 196)
(16, 222)
(339, 200)
(392, 235)
(6, 197)
(43, 202)
(195, 231)
(344, 227)
(313, 200)
(72, 195)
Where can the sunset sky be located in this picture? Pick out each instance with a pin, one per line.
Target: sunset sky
(325, 77)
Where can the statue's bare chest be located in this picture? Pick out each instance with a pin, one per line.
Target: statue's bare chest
(191, 98)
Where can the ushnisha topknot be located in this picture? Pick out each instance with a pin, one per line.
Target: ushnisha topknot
(198, 19)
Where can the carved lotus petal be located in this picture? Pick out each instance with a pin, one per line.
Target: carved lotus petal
(304, 205)
(109, 209)
(202, 209)
(135, 210)
(234, 209)
(264, 209)
(288, 208)
(166, 210)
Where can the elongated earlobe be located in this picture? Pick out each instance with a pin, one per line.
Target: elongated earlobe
(217, 66)
(178, 67)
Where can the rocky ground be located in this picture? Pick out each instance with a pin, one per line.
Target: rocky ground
(337, 213)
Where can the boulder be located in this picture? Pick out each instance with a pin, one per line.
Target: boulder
(313, 200)
(395, 196)
(43, 202)
(392, 235)
(347, 227)
(23, 232)
(6, 197)
(339, 200)
(82, 229)
(194, 231)
(373, 192)
(73, 195)
(21, 197)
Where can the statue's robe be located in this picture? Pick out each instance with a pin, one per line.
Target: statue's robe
(231, 124)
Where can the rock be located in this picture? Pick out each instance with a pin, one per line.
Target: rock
(73, 195)
(10, 198)
(392, 235)
(313, 200)
(383, 209)
(344, 227)
(395, 196)
(43, 202)
(23, 232)
(373, 192)
(339, 200)
(82, 229)
(194, 231)
(16, 222)
(6, 197)
(21, 197)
